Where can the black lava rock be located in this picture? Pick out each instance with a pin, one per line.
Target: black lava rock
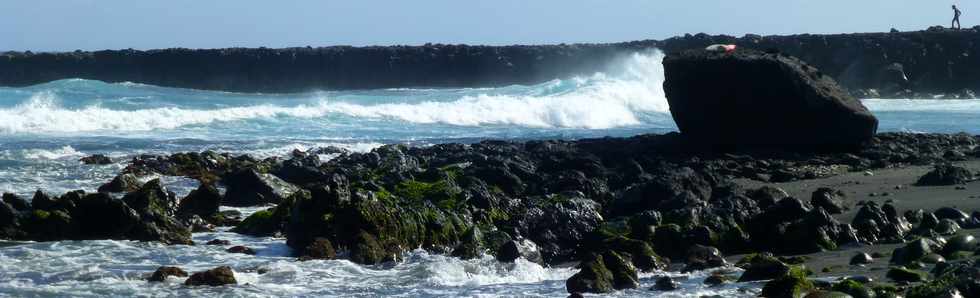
(713, 101)
(946, 174)
(215, 277)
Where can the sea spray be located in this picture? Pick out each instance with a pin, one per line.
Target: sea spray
(616, 98)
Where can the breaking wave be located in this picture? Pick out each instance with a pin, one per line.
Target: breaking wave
(622, 96)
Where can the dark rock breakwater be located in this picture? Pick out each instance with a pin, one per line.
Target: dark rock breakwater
(896, 64)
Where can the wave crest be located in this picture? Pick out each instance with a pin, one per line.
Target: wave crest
(619, 97)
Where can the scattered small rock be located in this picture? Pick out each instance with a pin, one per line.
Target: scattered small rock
(946, 174)
(163, 272)
(96, 159)
(900, 274)
(218, 242)
(214, 277)
(241, 250)
(665, 284)
(861, 259)
(716, 279)
(700, 257)
(947, 227)
(122, 183)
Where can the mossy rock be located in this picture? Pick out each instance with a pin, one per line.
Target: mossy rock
(901, 274)
(366, 250)
(642, 254)
(593, 278)
(854, 288)
(272, 221)
(624, 273)
(935, 288)
(401, 227)
(51, 225)
(471, 245)
(762, 267)
(792, 285)
(443, 193)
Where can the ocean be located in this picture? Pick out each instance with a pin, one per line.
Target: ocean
(46, 128)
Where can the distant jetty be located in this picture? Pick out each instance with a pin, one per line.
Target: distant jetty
(934, 62)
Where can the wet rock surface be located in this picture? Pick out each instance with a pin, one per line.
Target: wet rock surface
(163, 272)
(636, 202)
(215, 277)
(97, 159)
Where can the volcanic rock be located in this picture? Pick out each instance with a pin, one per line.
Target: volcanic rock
(122, 183)
(251, 188)
(946, 174)
(751, 98)
(215, 277)
(97, 159)
(163, 272)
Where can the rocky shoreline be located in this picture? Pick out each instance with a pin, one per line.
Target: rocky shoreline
(618, 206)
(934, 63)
(612, 207)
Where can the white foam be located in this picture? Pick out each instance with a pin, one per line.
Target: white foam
(933, 105)
(42, 154)
(285, 150)
(616, 98)
(601, 101)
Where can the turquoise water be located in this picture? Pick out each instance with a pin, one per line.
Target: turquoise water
(44, 129)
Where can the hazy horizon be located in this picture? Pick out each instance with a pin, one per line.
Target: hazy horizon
(115, 24)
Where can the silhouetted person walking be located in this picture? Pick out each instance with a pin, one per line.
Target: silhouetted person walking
(956, 18)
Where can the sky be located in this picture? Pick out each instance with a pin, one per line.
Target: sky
(66, 25)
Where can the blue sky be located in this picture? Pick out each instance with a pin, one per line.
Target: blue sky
(64, 25)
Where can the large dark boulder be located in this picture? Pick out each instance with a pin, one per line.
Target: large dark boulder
(754, 98)
(251, 188)
(156, 208)
(203, 201)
